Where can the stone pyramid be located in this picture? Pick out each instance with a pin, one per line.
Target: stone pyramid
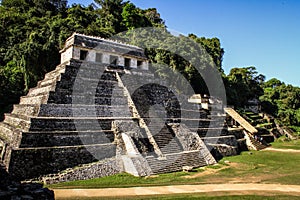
(86, 119)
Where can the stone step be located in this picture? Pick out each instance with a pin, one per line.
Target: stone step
(18, 121)
(73, 123)
(86, 99)
(100, 91)
(40, 90)
(55, 73)
(237, 117)
(49, 81)
(27, 163)
(228, 140)
(67, 82)
(257, 144)
(38, 99)
(165, 139)
(66, 138)
(26, 109)
(200, 119)
(202, 124)
(7, 132)
(202, 132)
(68, 110)
(175, 162)
(52, 77)
(193, 121)
(171, 147)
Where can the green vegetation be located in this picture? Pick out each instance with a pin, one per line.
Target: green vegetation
(199, 196)
(284, 143)
(33, 31)
(296, 129)
(277, 99)
(254, 166)
(283, 101)
(243, 84)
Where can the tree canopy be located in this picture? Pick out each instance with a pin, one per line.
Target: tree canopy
(33, 31)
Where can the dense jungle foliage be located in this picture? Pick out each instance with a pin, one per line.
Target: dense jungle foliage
(33, 31)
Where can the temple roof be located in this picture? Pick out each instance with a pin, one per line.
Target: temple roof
(107, 45)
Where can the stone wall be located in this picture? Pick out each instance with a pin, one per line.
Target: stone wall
(52, 160)
(48, 139)
(222, 150)
(188, 139)
(102, 168)
(151, 94)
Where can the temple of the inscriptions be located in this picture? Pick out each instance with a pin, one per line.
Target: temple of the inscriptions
(99, 113)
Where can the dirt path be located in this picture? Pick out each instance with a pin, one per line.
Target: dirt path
(180, 189)
(281, 150)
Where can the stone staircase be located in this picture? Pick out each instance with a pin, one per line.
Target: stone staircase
(237, 117)
(162, 134)
(256, 145)
(176, 161)
(255, 137)
(212, 129)
(174, 156)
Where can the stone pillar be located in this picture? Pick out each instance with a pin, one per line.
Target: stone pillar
(121, 61)
(105, 58)
(133, 63)
(76, 53)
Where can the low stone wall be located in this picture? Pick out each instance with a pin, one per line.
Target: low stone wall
(102, 168)
(33, 162)
(222, 150)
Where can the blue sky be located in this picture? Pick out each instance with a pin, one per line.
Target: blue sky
(260, 33)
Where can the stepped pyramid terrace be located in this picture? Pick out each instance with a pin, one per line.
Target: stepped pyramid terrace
(100, 112)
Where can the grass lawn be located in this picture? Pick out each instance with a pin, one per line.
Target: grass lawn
(281, 143)
(249, 167)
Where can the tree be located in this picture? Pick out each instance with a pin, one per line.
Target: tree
(111, 14)
(133, 17)
(243, 84)
(282, 101)
(212, 47)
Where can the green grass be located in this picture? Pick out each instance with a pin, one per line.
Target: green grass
(283, 143)
(254, 166)
(262, 167)
(127, 180)
(198, 196)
